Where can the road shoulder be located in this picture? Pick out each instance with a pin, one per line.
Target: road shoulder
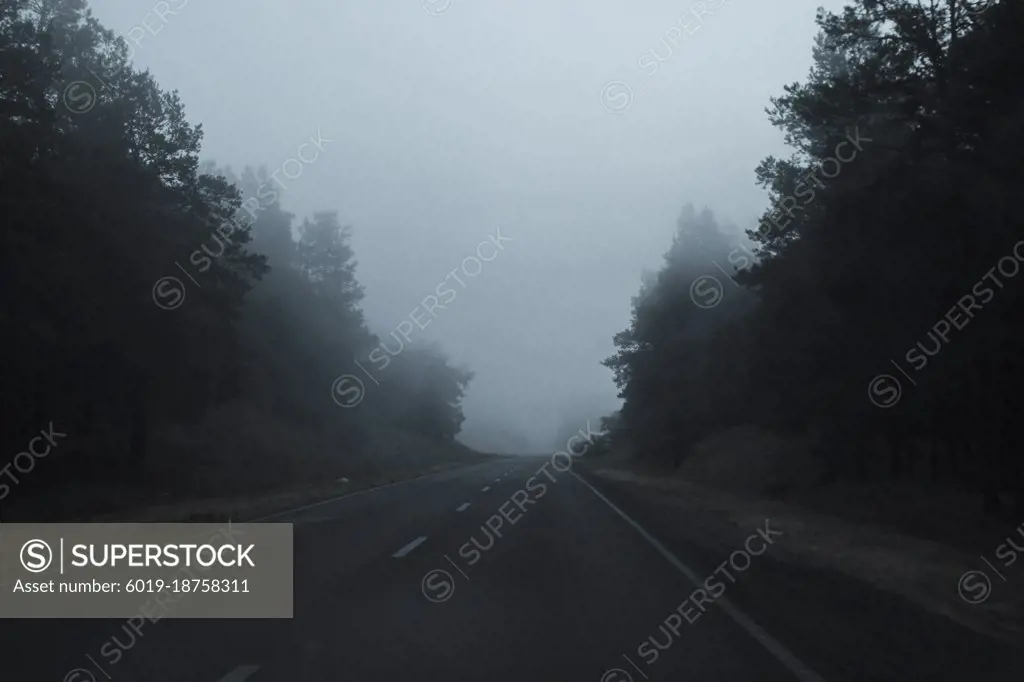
(845, 596)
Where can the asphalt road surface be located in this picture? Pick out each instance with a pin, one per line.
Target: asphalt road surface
(512, 570)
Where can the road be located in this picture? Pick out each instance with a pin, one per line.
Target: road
(513, 570)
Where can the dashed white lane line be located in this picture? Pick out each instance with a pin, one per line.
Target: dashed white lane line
(801, 670)
(486, 488)
(463, 507)
(368, 491)
(240, 674)
(410, 547)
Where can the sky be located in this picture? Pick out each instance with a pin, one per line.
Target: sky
(578, 130)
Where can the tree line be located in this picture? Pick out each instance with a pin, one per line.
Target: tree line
(879, 303)
(177, 335)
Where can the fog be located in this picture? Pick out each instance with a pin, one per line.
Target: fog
(361, 286)
(444, 122)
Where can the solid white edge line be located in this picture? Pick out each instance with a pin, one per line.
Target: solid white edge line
(410, 547)
(462, 507)
(802, 671)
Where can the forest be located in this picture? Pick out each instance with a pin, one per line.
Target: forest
(166, 313)
(876, 303)
(191, 335)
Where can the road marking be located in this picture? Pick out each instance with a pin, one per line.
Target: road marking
(240, 674)
(486, 488)
(802, 671)
(359, 492)
(410, 547)
(463, 507)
